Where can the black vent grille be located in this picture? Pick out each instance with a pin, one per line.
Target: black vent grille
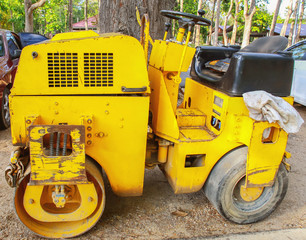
(98, 69)
(63, 69)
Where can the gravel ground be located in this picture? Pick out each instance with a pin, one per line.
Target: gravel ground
(150, 216)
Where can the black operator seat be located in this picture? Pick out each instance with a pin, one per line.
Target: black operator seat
(272, 44)
(259, 66)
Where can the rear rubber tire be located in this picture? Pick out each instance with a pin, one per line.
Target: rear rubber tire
(5, 111)
(223, 191)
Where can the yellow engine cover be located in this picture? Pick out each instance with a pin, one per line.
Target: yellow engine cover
(82, 64)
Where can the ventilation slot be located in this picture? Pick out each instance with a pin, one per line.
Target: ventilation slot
(63, 69)
(98, 69)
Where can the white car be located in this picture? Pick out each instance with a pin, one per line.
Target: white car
(298, 90)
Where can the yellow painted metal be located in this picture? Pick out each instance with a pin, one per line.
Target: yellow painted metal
(184, 52)
(15, 155)
(138, 16)
(166, 56)
(51, 226)
(237, 129)
(57, 169)
(145, 34)
(165, 36)
(124, 65)
(73, 35)
(118, 136)
(114, 117)
(264, 158)
(250, 194)
(164, 120)
(162, 153)
(209, 123)
(188, 117)
(180, 34)
(88, 203)
(166, 61)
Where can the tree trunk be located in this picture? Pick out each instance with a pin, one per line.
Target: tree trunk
(279, 2)
(13, 27)
(98, 17)
(248, 15)
(70, 9)
(284, 28)
(300, 22)
(85, 14)
(225, 38)
(292, 23)
(198, 27)
(182, 6)
(28, 12)
(211, 26)
(216, 33)
(235, 27)
(120, 16)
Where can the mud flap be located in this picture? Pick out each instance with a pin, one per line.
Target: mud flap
(265, 154)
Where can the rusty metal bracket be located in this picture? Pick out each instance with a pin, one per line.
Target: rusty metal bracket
(49, 167)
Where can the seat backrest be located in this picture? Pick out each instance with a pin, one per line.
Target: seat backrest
(271, 44)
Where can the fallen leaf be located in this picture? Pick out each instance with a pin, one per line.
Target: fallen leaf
(180, 213)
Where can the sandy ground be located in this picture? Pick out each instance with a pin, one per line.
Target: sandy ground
(150, 216)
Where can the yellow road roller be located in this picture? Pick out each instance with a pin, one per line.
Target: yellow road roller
(84, 103)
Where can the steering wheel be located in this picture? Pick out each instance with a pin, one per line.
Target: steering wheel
(186, 17)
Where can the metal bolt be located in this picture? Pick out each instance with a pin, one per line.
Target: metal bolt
(106, 112)
(89, 121)
(89, 142)
(56, 200)
(89, 128)
(28, 121)
(56, 103)
(63, 200)
(90, 199)
(34, 55)
(89, 135)
(100, 134)
(31, 201)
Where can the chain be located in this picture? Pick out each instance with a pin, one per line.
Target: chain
(14, 172)
(10, 177)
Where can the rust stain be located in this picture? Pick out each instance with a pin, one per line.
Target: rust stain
(258, 171)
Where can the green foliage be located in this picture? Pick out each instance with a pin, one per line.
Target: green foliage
(51, 18)
(12, 13)
(261, 20)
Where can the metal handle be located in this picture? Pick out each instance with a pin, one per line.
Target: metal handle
(125, 89)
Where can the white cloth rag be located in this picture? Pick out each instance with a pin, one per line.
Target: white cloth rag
(264, 106)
